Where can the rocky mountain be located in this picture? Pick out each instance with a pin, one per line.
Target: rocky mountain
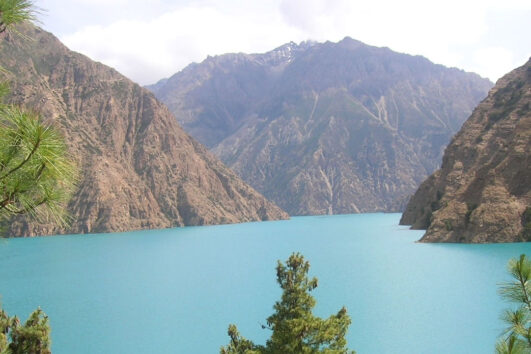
(482, 192)
(322, 128)
(139, 169)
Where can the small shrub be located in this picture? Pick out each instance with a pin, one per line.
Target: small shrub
(439, 195)
(428, 219)
(470, 208)
(526, 224)
(448, 225)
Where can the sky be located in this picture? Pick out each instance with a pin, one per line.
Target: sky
(148, 40)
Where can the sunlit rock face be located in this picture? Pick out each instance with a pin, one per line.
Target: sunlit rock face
(482, 191)
(139, 169)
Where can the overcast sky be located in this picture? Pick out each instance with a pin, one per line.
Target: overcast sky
(148, 40)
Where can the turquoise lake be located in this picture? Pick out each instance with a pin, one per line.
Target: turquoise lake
(177, 290)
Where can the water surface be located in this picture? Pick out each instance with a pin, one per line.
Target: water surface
(177, 290)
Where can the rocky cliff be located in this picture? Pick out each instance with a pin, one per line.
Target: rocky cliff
(325, 128)
(482, 193)
(139, 169)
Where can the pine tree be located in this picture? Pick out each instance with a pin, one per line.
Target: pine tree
(295, 330)
(516, 338)
(37, 176)
(32, 337)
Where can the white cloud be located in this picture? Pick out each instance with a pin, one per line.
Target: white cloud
(454, 33)
(150, 50)
(494, 61)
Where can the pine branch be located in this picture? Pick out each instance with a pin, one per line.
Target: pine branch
(14, 169)
(30, 208)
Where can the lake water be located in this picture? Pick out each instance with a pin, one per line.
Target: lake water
(177, 290)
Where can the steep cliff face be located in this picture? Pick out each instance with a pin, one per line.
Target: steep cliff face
(482, 193)
(324, 128)
(139, 169)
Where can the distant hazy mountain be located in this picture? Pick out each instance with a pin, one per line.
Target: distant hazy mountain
(325, 127)
(482, 193)
(139, 168)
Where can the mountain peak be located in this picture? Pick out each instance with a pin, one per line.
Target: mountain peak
(350, 41)
(283, 54)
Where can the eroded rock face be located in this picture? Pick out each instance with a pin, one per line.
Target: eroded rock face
(139, 169)
(325, 128)
(482, 191)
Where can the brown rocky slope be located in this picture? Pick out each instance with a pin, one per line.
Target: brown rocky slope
(139, 169)
(482, 191)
